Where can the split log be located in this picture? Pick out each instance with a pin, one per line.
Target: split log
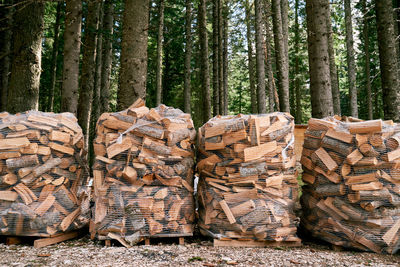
(248, 180)
(351, 179)
(143, 174)
(34, 190)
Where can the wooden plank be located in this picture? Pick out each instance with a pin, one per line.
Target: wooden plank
(13, 143)
(255, 243)
(45, 205)
(43, 242)
(227, 211)
(354, 157)
(367, 187)
(342, 136)
(60, 136)
(392, 155)
(256, 152)
(61, 148)
(66, 222)
(116, 148)
(389, 236)
(365, 126)
(326, 159)
(8, 195)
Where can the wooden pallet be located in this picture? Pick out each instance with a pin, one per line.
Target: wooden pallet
(149, 240)
(39, 242)
(255, 243)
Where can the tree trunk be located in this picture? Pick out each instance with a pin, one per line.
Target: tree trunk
(108, 23)
(160, 39)
(388, 59)
(272, 92)
(54, 54)
(367, 59)
(260, 66)
(28, 25)
(97, 74)
(5, 51)
(88, 68)
(253, 93)
(220, 60)
(297, 89)
(332, 68)
(215, 58)
(225, 56)
(188, 57)
(318, 55)
(204, 69)
(281, 50)
(351, 66)
(397, 26)
(72, 46)
(133, 73)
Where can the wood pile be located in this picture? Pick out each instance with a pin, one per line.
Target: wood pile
(352, 176)
(143, 174)
(248, 181)
(42, 170)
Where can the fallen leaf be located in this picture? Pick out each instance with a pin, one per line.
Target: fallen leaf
(44, 255)
(209, 264)
(231, 262)
(294, 262)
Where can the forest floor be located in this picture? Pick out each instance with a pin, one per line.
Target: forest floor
(198, 251)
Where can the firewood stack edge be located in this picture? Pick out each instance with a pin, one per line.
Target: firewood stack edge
(143, 174)
(352, 176)
(43, 174)
(248, 181)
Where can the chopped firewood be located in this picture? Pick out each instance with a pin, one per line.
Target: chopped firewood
(143, 174)
(351, 209)
(248, 183)
(43, 175)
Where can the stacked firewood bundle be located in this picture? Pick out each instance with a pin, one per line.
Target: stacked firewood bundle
(42, 170)
(352, 176)
(248, 181)
(143, 174)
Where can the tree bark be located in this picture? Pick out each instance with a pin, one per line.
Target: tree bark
(332, 68)
(253, 93)
(365, 33)
(28, 25)
(320, 84)
(298, 117)
(5, 51)
(260, 66)
(388, 59)
(72, 46)
(215, 58)
(107, 56)
(281, 50)
(397, 26)
(351, 66)
(188, 57)
(88, 68)
(97, 74)
(204, 68)
(220, 60)
(225, 56)
(133, 73)
(54, 54)
(272, 92)
(160, 39)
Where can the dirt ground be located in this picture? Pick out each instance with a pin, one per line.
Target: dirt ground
(198, 251)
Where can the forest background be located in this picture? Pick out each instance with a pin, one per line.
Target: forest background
(311, 58)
